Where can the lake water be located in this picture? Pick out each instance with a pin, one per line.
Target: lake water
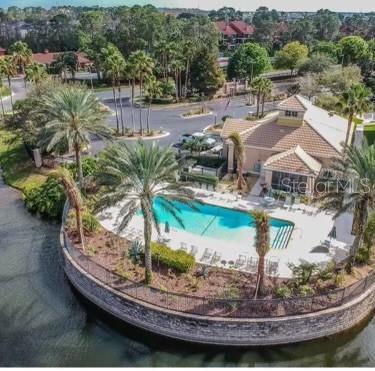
(44, 322)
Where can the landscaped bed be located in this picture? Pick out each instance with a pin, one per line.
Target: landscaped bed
(113, 252)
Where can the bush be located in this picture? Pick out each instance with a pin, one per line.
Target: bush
(48, 199)
(178, 260)
(136, 251)
(303, 273)
(284, 292)
(164, 100)
(205, 179)
(328, 272)
(167, 88)
(306, 290)
(90, 167)
(90, 223)
(363, 255)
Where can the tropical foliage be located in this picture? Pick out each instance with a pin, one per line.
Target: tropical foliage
(137, 176)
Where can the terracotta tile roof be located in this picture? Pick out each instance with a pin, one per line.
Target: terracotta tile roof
(242, 27)
(225, 29)
(236, 126)
(281, 138)
(49, 58)
(292, 103)
(296, 160)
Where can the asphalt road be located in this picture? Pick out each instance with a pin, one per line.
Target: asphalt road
(167, 118)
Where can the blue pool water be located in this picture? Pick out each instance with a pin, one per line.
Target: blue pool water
(222, 223)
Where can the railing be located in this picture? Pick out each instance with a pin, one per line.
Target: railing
(219, 307)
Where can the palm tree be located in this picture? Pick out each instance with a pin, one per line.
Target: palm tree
(114, 67)
(356, 170)
(177, 65)
(239, 155)
(256, 84)
(143, 66)
(153, 89)
(75, 115)
(8, 69)
(21, 55)
(138, 175)
(73, 194)
(266, 90)
(354, 101)
(65, 62)
(36, 73)
(262, 244)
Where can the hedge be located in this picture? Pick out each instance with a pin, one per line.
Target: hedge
(206, 179)
(178, 260)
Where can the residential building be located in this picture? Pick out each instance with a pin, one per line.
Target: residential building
(47, 58)
(234, 32)
(290, 147)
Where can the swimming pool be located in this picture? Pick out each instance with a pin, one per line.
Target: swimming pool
(223, 223)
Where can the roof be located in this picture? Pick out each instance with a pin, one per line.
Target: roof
(281, 138)
(48, 58)
(292, 103)
(295, 160)
(236, 126)
(330, 126)
(225, 29)
(242, 27)
(321, 134)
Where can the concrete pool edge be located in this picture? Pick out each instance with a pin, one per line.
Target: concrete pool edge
(219, 330)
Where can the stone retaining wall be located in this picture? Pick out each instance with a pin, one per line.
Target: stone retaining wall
(215, 330)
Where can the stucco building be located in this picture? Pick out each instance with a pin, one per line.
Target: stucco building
(289, 147)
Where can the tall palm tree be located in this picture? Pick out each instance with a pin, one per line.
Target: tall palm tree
(239, 156)
(66, 62)
(8, 69)
(262, 244)
(36, 73)
(75, 116)
(153, 89)
(137, 175)
(354, 101)
(73, 194)
(177, 65)
(143, 66)
(21, 55)
(114, 67)
(266, 90)
(256, 85)
(357, 168)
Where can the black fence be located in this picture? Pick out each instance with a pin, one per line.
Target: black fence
(219, 307)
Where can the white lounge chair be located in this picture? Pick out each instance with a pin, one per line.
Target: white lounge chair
(251, 265)
(183, 246)
(216, 258)
(240, 262)
(206, 255)
(193, 250)
(272, 266)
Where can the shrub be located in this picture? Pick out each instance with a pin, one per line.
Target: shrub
(231, 294)
(167, 88)
(225, 117)
(205, 179)
(284, 292)
(306, 290)
(363, 255)
(178, 260)
(48, 199)
(339, 279)
(328, 272)
(90, 167)
(135, 251)
(303, 273)
(89, 222)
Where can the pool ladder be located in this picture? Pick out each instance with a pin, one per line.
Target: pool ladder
(282, 237)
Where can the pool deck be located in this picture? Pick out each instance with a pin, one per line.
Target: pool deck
(310, 229)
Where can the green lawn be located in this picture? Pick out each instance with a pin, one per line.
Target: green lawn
(17, 167)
